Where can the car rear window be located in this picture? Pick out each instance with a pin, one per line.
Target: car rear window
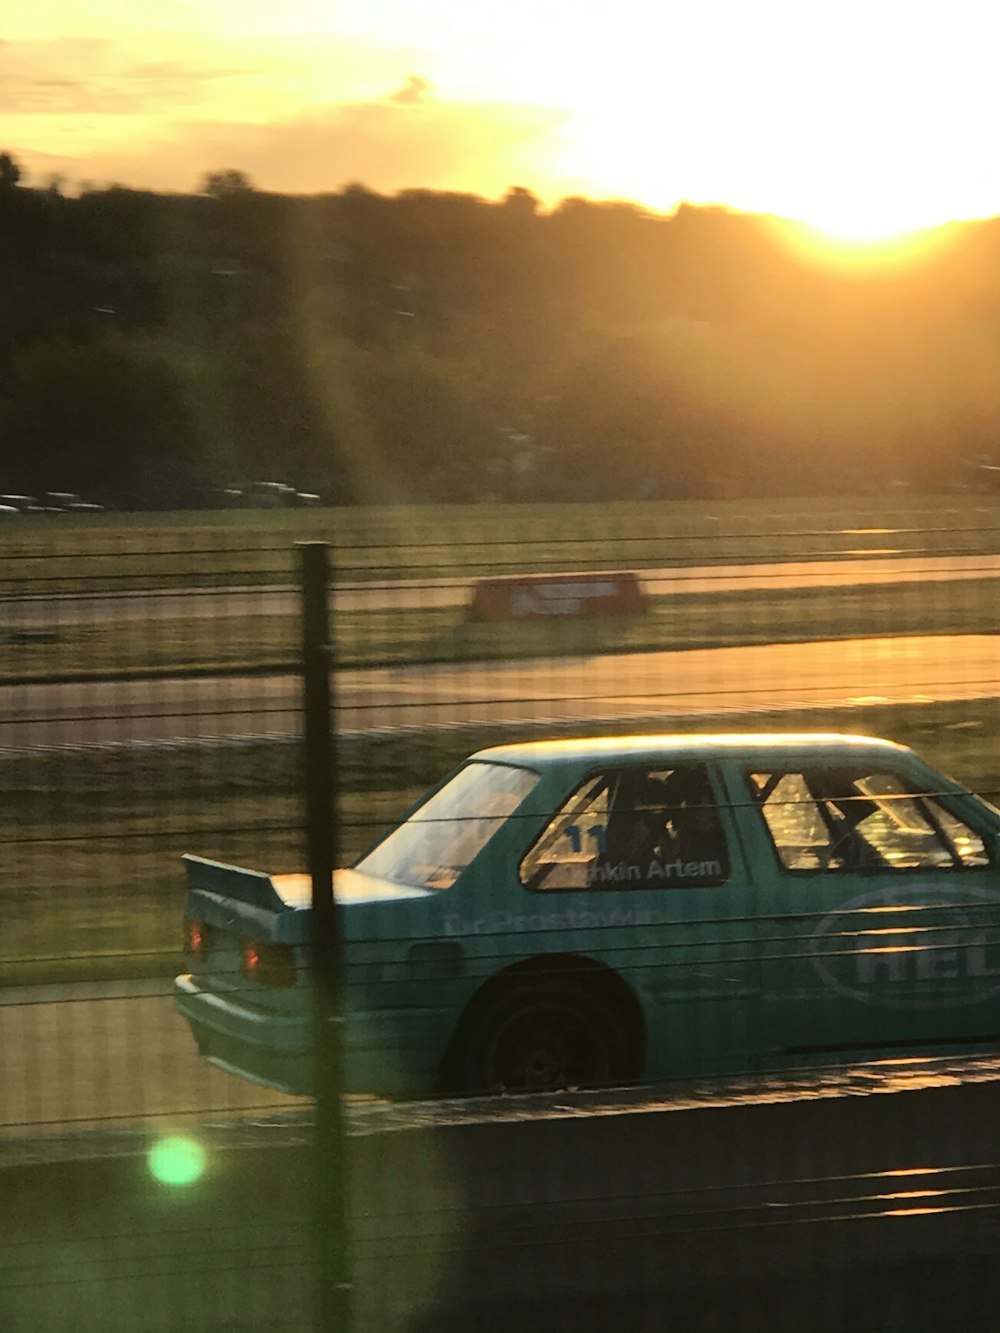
(440, 838)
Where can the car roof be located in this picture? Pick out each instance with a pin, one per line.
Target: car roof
(689, 746)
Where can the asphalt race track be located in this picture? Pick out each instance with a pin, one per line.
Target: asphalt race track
(96, 1056)
(652, 689)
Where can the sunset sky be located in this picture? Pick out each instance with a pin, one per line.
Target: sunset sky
(864, 117)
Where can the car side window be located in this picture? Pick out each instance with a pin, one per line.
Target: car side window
(632, 828)
(855, 821)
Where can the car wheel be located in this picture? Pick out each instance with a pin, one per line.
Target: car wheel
(543, 1036)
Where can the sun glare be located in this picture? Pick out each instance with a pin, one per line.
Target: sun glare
(866, 217)
(859, 229)
(861, 242)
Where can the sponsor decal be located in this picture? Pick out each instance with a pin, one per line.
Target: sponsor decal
(926, 947)
(559, 599)
(506, 923)
(654, 873)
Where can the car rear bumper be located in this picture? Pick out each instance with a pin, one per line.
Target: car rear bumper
(393, 1057)
(272, 1049)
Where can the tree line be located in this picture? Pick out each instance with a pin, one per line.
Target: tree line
(436, 346)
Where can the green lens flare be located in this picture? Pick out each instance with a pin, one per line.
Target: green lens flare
(177, 1161)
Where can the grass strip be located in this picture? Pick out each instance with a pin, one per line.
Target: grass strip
(73, 553)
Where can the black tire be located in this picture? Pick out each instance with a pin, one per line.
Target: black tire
(543, 1035)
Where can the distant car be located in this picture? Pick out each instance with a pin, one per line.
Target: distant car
(593, 912)
(50, 502)
(270, 495)
(65, 502)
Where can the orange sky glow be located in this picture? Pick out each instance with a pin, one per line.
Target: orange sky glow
(863, 119)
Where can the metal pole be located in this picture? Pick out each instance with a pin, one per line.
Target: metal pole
(331, 1175)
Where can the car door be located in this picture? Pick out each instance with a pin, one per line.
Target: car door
(880, 917)
(646, 862)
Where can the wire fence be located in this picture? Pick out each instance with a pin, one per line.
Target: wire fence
(151, 687)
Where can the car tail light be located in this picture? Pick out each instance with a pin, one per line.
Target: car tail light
(268, 964)
(196, 939)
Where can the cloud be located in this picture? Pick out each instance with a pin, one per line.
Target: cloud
(415, 89)
(80, 76)
(407, 140)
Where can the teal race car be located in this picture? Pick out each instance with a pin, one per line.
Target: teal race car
(583, 913)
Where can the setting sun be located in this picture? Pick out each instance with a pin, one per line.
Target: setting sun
(861, 226)
(861, 245)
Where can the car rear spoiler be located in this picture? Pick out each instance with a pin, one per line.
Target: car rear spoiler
(248, 886)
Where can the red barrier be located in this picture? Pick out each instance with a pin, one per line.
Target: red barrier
(540, 596)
